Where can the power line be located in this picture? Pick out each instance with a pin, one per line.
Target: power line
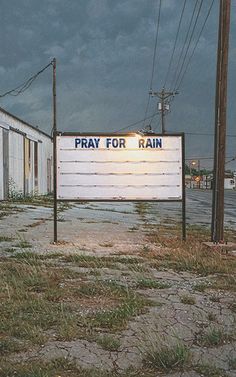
(158, 124)
(206, 158)
(189, 43)
(196, 44)
(206, 134)
(232, 159)
(175, 43)
(185, 41)
(138, 122)
(25, 85)
(154, 58)
(155, 46)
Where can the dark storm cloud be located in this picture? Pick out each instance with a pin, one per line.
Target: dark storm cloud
(104, 50)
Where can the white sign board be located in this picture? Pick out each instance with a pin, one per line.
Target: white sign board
(119, 167)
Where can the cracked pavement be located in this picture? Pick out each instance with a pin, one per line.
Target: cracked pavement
(108, 230)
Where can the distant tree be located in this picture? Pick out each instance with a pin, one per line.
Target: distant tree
(187, 169)
(205, 172)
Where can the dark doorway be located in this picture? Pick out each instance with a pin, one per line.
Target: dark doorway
(5, 146)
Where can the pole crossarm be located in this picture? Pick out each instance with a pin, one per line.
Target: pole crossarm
(163, 95)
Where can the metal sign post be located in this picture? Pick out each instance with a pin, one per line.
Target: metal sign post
(119, 167)
(183, 191)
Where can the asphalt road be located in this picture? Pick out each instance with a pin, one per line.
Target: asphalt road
(91, 224)
(198, 208)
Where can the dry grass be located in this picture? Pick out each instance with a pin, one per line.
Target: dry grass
(213, 337)
(91, 261)
(190, 256)
(109, 342)
(147, 283)
(167, 358)
(36, 297)
(42, 296)
(62, 367)
(188, 300)
(207, 370)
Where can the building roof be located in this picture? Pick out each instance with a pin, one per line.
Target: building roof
(24, 122)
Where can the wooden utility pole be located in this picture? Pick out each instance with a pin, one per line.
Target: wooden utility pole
(54, 150)
(217, 228)
(162, 106)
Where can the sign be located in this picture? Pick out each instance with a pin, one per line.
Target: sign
(119, 167)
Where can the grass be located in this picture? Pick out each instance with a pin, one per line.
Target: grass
(214, 298)
(142, 208)
(207, 370)
(167, 358)
(211, 317)
(117, 318)
(37, 299)
(224, 282)
(109, 343)
(133, 228)
(61, 367)
(192, 256)
(8, 345)
(40, 299)
(188, 300)
(151, 283)
(23, 244)
(28, 310)
(6, 239)
(33, 200)
(232, 363)
(146, 249)
(10, 250)
(213, 338)
(201, 287)
(5, 213)
(129, 304)
(33, 256)
(232, 307)
(91, 261)
(106, 244)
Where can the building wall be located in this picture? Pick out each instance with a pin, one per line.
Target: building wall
(229, 183)
(16, 161)
(1, 165)
(26, 176)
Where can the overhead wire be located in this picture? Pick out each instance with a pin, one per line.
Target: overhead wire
(158, 124)
(25, 85)
(185, 41)
(206, 134)
(232, 159)
(206, 158)
(153, 59)
(196, 44)
(175, 43)
(188, 46)
(135, 123)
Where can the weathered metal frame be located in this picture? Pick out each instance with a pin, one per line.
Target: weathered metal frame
(183, 200)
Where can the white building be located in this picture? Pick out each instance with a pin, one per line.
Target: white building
(230, 183)
(25, 158)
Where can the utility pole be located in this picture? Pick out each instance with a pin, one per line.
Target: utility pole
(163, 107)
(54, 149)
(217, 227)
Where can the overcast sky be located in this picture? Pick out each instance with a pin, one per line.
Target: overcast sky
(104, 50)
